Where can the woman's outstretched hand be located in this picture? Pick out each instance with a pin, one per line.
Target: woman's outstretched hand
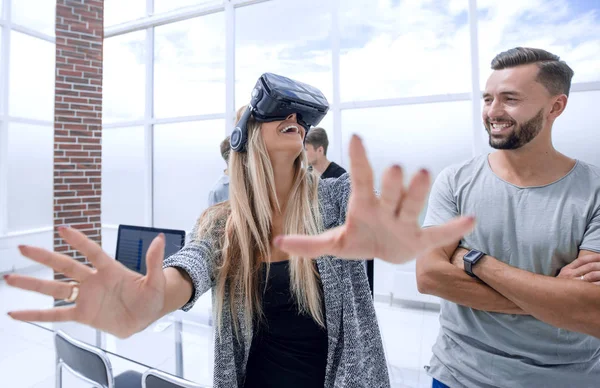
(111, 297)
(385, 227)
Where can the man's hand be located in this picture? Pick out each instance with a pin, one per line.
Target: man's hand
(385, 227)
(586, 268)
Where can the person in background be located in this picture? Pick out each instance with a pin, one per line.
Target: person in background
(316, 151)
(220, 191)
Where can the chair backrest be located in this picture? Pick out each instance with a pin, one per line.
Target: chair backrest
(133, 242)
(85, 360)
(153, 378)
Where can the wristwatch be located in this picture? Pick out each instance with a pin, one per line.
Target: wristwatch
(470, 259)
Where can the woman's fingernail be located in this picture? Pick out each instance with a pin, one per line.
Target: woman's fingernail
(21, 247)
(62, 227)
(9, 314)
(277, 241)
(357, 137)
(5, 277)
(424, 171)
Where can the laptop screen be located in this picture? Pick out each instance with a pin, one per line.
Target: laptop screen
(133, 243)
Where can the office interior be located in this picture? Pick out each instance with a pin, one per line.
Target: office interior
(405, 75)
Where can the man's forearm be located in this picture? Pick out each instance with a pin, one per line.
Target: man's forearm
(437, 276)
(564, 303)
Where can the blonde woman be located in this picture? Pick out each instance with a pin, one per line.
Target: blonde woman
(281, 320)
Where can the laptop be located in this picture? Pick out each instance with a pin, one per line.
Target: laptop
(133, 243)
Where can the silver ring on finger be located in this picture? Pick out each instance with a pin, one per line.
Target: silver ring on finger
(581, 277)
(74, 292)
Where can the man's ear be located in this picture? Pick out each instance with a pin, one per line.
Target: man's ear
(558, 107)
(321, 150)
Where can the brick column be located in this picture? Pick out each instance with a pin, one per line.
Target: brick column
(78, 120)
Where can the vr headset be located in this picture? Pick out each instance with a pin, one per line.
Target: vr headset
(274, 98)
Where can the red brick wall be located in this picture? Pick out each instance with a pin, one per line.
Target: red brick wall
(78, 119)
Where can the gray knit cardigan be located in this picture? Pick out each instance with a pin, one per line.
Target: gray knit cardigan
(355, 356)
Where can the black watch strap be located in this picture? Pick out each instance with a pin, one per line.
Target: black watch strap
(470, 259)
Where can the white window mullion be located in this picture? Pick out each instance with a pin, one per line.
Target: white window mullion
(4, 84)
(230, 108)
(335, 71)
(148, 122)
(475, 88)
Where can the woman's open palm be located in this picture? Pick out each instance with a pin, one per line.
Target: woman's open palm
(111, 297)
(385, 227)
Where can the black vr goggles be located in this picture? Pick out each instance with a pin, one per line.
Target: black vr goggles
(275, 98)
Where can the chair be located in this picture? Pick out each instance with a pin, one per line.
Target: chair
(89, 364)
(153, 378)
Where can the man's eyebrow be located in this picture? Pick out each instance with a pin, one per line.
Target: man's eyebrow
(505, 93)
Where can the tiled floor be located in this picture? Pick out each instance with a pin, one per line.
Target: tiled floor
(27, 353)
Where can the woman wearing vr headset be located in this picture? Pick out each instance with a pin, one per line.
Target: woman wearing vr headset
(281, 320)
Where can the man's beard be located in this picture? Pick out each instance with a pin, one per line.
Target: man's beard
(520, 135)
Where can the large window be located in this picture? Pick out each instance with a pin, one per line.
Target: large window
(399, 73)
(189, 73)
(27, 63)
(164, 110)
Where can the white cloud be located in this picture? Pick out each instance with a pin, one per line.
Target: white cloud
(390, 49)
(552, 25)
(416, 48)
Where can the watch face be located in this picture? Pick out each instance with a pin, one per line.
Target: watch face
(471, 255)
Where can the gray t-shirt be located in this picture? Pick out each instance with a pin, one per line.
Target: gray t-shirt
(220, 191)
(538, 229)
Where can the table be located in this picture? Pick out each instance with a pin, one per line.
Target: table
(180, 343)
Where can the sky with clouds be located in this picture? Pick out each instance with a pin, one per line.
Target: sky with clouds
(389, 49)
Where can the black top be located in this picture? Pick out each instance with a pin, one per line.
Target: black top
(288, 349)
(333, 171)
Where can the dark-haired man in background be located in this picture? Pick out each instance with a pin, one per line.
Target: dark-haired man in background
(507, 319)
(316, 144)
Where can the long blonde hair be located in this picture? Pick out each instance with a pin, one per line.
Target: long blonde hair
(248, 232)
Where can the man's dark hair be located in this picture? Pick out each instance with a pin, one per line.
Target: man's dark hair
(553, 73)
(317, 137)
(225, 149)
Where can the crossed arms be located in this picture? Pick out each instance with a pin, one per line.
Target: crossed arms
(565, 301)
